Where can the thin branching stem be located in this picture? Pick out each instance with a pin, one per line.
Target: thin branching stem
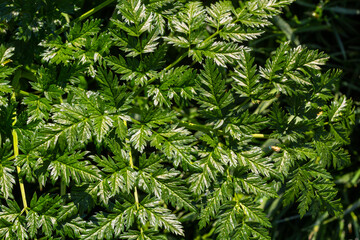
(16, 153)
(131, 162)
(87, 14)
(179, 59)
(165, 69)
(208, 129)
(136, 196)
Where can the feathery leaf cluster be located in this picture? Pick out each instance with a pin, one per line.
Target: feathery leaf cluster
(162, 118)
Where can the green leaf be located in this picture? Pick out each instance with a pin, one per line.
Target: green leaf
(129, 69)
(71, 126)
(102, 125)
(189, 20)
(310, 181)
(212, 207)
(70, 167)
(7, 179)
(117, 177)
(221, 52)
(158, 216)
(219, 14)
(275, 63)
(211, 166)
(253, 184)
(112, 91)
(175, 144)
(12, 224)
(177, 84)
(227, 222)
(249, 228)
(58, 51)
(143, 235)
(140, 135)
(110, 225)
(134, 12)
(340, 134)
(337, 109)
(38, 108)
(165, 185)
(236, 33)
(246, 77)
(258, 165)
(5, 54)
(213, 95)
(5, 71)
(254, 213)
(43, 214)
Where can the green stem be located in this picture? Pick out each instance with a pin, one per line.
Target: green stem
(216, 33)
(28, 75)
(22, 92)
(167, 68)
(142, 232)
(350, 209)
(208, 129)
(171, 65)
(136, 196)
(177, 61)
(62, 188)
(131, 162)
(194, 126)
(23, 210)
(93, 10)
(87, 14)
(209, 234)
(259, 135)
(16, 153)
(180, 58)
(210, 37)
(228, 173)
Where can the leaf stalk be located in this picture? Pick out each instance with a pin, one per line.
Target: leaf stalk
(16, 153)
(208, 129)
(87, 14)
(131, 162)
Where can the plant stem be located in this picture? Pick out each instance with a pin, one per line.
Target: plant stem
(131, 162)
(135, 189)
(194, 126)
(24, 93)
(16, 153)
(22, 211)
(216, 33)
(167, 68)
(182, 57)
(93, 10)
(259, 135)
(62, 188)
(171, 65)
(177, 61)
(350, 209)
(211, 36)
(87, 14)
(204, 128)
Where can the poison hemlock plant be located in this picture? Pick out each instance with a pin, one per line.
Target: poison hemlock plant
(160, 125)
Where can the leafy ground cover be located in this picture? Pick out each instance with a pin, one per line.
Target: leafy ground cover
(164, 120)
(331, 26)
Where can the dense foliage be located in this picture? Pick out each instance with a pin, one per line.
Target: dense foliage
(333, 27)
(159, 123)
